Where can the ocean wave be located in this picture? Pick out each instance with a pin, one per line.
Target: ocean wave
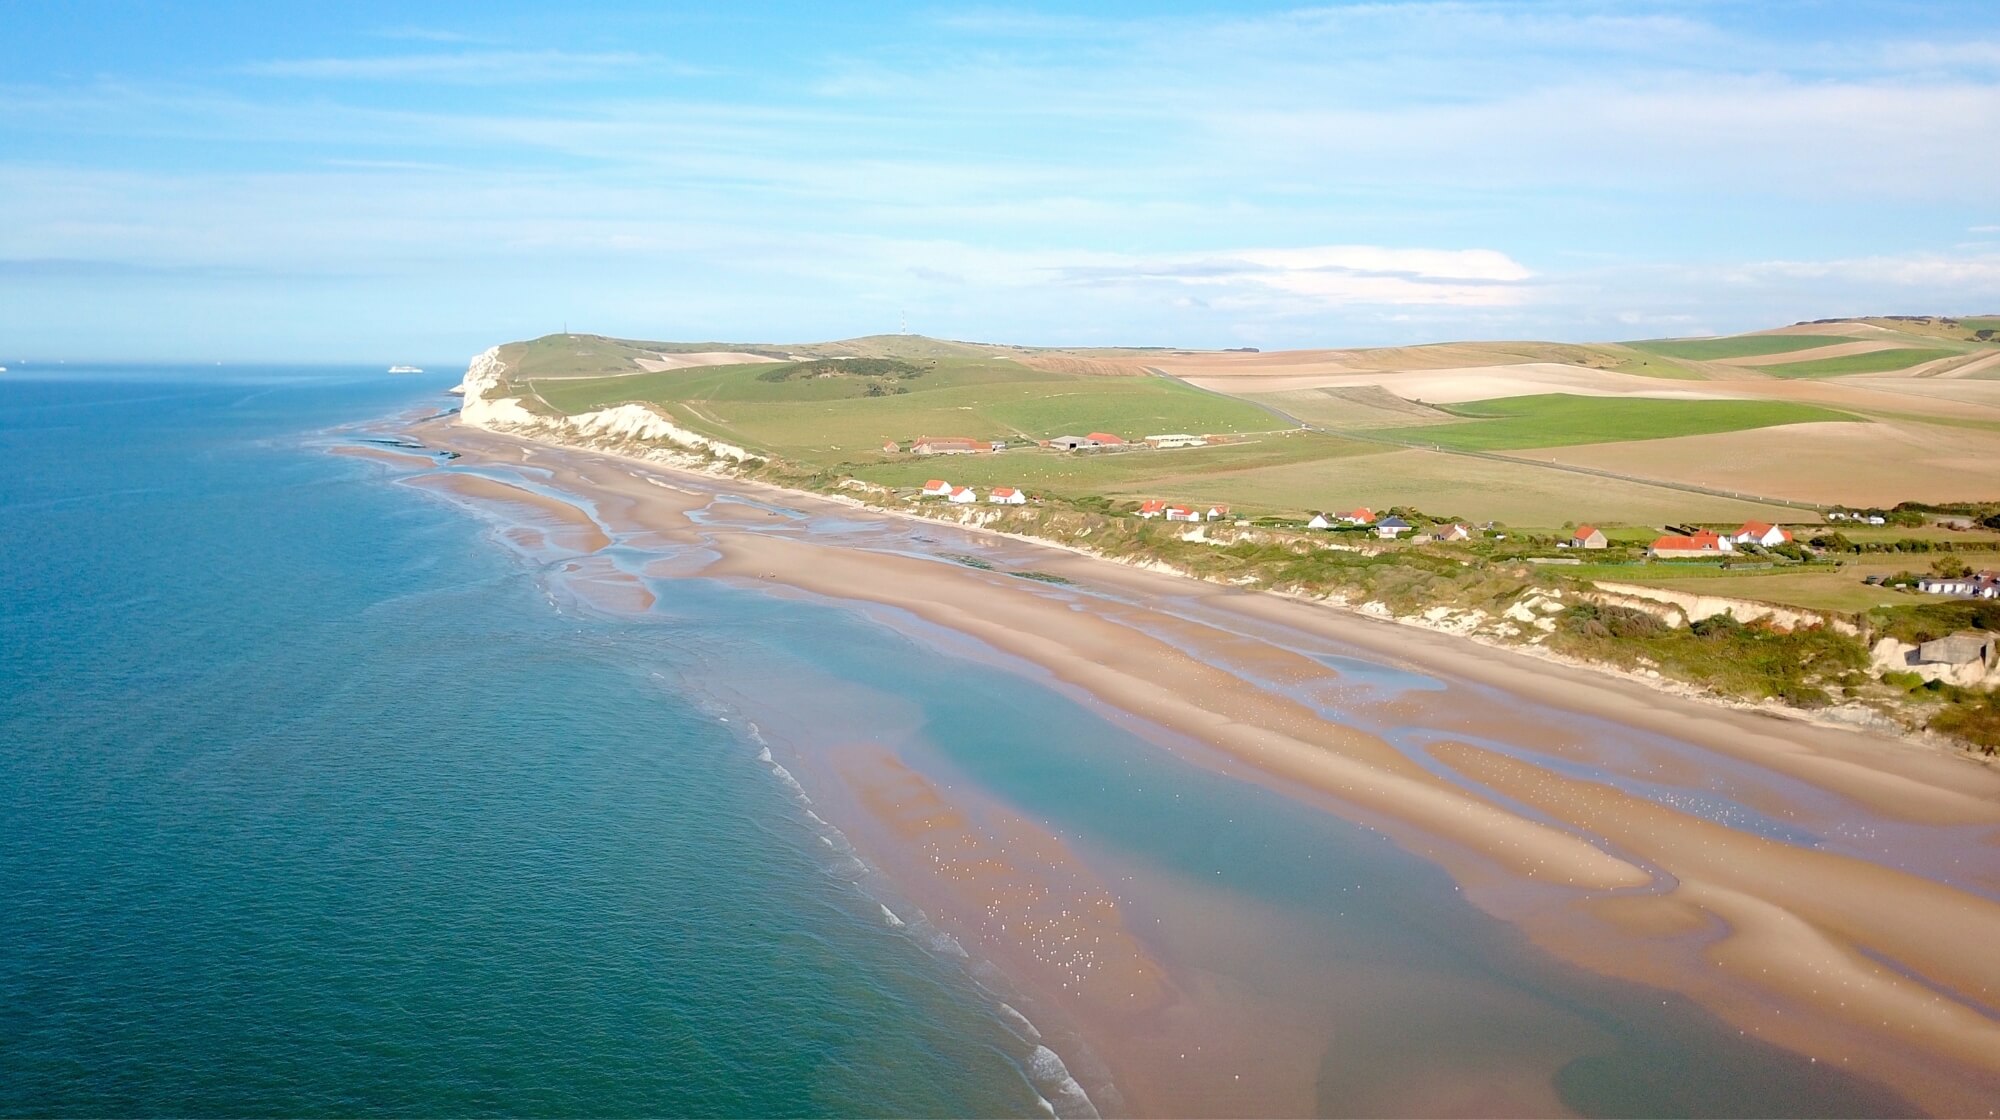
(1064, 1096)
(1019, 1024)
(894, 922)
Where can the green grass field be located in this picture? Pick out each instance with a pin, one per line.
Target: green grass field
(1879, 361)
(830, 420)
(1562, 420)
(1120, 473)
(1738, 346)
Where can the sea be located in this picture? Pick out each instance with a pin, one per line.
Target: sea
(318, 800)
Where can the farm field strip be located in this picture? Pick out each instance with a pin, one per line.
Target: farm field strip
(1877, 361)
(1560, 420)
(1735, 346)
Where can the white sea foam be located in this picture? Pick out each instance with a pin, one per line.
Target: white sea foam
(763, 754)
(1019, 1024)
(1066, 1098)
(890, 917)
(791, 783)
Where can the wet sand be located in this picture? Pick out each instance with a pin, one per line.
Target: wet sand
(1873, 953)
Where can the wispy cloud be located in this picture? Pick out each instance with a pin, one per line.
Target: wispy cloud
(460, 66)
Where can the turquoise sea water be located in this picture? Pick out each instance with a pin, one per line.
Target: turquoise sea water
(315, 801)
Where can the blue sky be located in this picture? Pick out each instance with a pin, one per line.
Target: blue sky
(378, 182)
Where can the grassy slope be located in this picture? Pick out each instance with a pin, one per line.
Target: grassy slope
(824, 421)
(1879, 361)
(1561, 419)
(1735, 346)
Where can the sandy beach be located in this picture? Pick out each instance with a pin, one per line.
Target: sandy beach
(1624, 829)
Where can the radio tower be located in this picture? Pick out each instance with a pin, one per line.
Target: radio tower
(906, 321)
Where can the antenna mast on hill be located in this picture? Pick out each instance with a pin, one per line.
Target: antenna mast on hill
(906, 321)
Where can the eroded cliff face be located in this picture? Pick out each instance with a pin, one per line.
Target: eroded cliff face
(488, 406)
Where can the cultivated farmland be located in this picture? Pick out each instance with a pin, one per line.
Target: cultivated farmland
(1558, 420)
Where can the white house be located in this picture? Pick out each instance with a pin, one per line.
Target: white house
(1391, 527)
(1453, 532)
(1319, 521)
(1183, 513)
(1152, 508)
(937, 488)
(1218, 513)
(962, 495)
(1762, 534)
(1007, 496)
(1979, 585)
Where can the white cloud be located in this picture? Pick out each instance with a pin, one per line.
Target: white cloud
(458, 66)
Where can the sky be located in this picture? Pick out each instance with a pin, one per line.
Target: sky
(391, 182)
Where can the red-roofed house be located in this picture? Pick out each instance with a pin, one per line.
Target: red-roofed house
(1761, 533)
(1218, 513)
(1183, 513)
(891, 447)
(937, 488)
(1154, 508)
(963, 494)
(1703, 543)
(1106, 439)
(1362, 516)
(1007, 496)
(1588, 536)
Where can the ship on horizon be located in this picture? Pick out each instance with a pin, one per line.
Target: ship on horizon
(404, 369)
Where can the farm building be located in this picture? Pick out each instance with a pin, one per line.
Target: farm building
(1762, 534)
(1588, 536)
(1152, 509)
(891, 447)
(1392, 527)
(947, 445)
(963, 495)
(1181, 439)
(1071, 443)
(1453, 532)
(1007, 496)
(1105, 439)
(1703, 543)
(999, 445)
(937, 488)
(1967, 647)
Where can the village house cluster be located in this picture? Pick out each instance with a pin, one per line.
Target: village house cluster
(965, 445)
(1160, 508)
(1708, 543)
(966, 495)
(1390, 528)
(1975, 585)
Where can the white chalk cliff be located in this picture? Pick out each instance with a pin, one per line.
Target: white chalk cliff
(626, 423)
